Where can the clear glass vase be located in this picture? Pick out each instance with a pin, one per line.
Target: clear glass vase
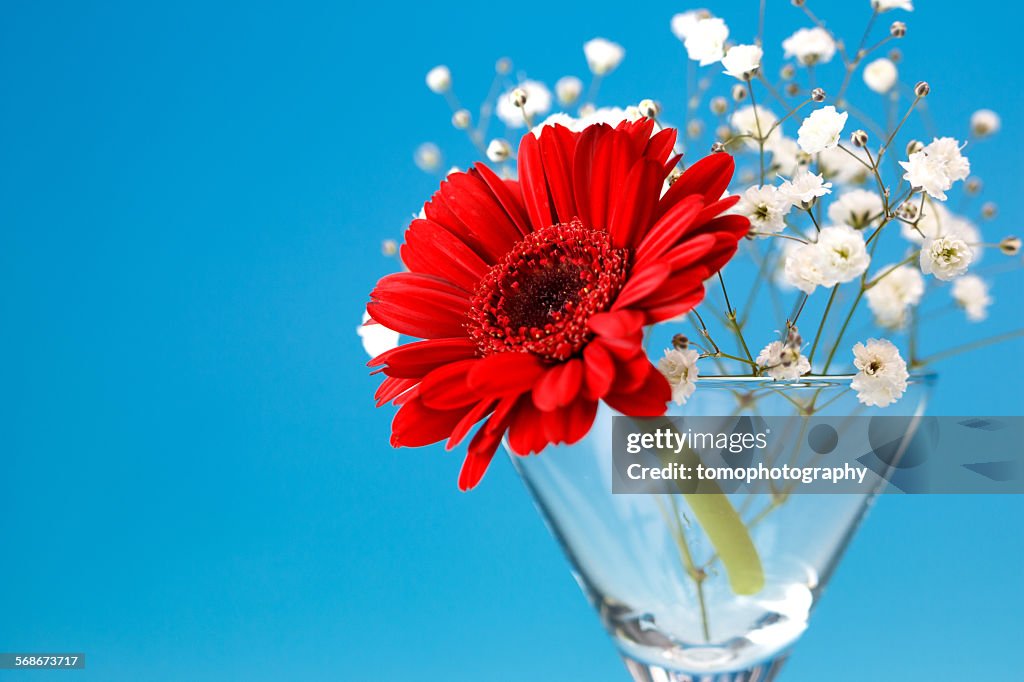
(651, 572)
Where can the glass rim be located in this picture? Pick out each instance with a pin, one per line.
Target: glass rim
(806, 381)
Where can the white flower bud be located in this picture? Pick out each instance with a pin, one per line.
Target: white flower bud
(985, 122)
(859, 138)
(922, 89)
(719, 106)
(428, 157)
(739, 93)
(499, 150)
(649, 108)
(818, 95)
(568, 90)
(898, 29)
(881, 75)
(461, 119)
(1010, 246)
(439, 79)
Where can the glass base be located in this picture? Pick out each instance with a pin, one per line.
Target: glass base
(762, 672)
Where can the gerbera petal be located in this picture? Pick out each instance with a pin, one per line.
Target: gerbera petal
(557, 146)
(669, 228)
(616, 324)
(508, 195)
(559, 385)
(416, 425)
(431, 249)
(675, 306)
(649, 400)
(505, 374)
(415, 360)
(533, 183)
(419, 305)
(611, 166)
(689, 252)
(709, 178)
(469, 197)
(484, 443)
(526, 430)
(392, 388)
(672, 162)
(446, 387)
(660, 146)
(481, 410)
(641, 283)
(634, 204)
(600, 369)
(582, 170)
(571, 423)
(735, 225)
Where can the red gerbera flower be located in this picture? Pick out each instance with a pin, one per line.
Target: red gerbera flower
(531, 296)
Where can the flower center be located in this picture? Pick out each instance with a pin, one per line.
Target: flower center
(539, 297)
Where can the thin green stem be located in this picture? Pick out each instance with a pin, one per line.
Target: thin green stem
(974, 345)
(821, 325)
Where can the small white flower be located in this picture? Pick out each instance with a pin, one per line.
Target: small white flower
(603, 56)
(755, 122)
(810, 46)
(936, 221)
(786, 154)
(680, 369)
(439, 79)
(706, 41)
(856, 208)
(376, 337)
(803, 268)
(609, 115)
(945, 257)
(985, 122)
(538, 103)
(821, 130)
(843, 166)
(844, 254)
(880, 75)
(741, 61)
(971, 293)
(936, 167)
(838, 256)
(890, 298)
(765, 207)
(684, 23)
(881, 373)
(568, 89)
(804, 188)
(886, 5)
(782, 361)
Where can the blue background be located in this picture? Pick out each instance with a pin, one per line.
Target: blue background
(193, 481)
